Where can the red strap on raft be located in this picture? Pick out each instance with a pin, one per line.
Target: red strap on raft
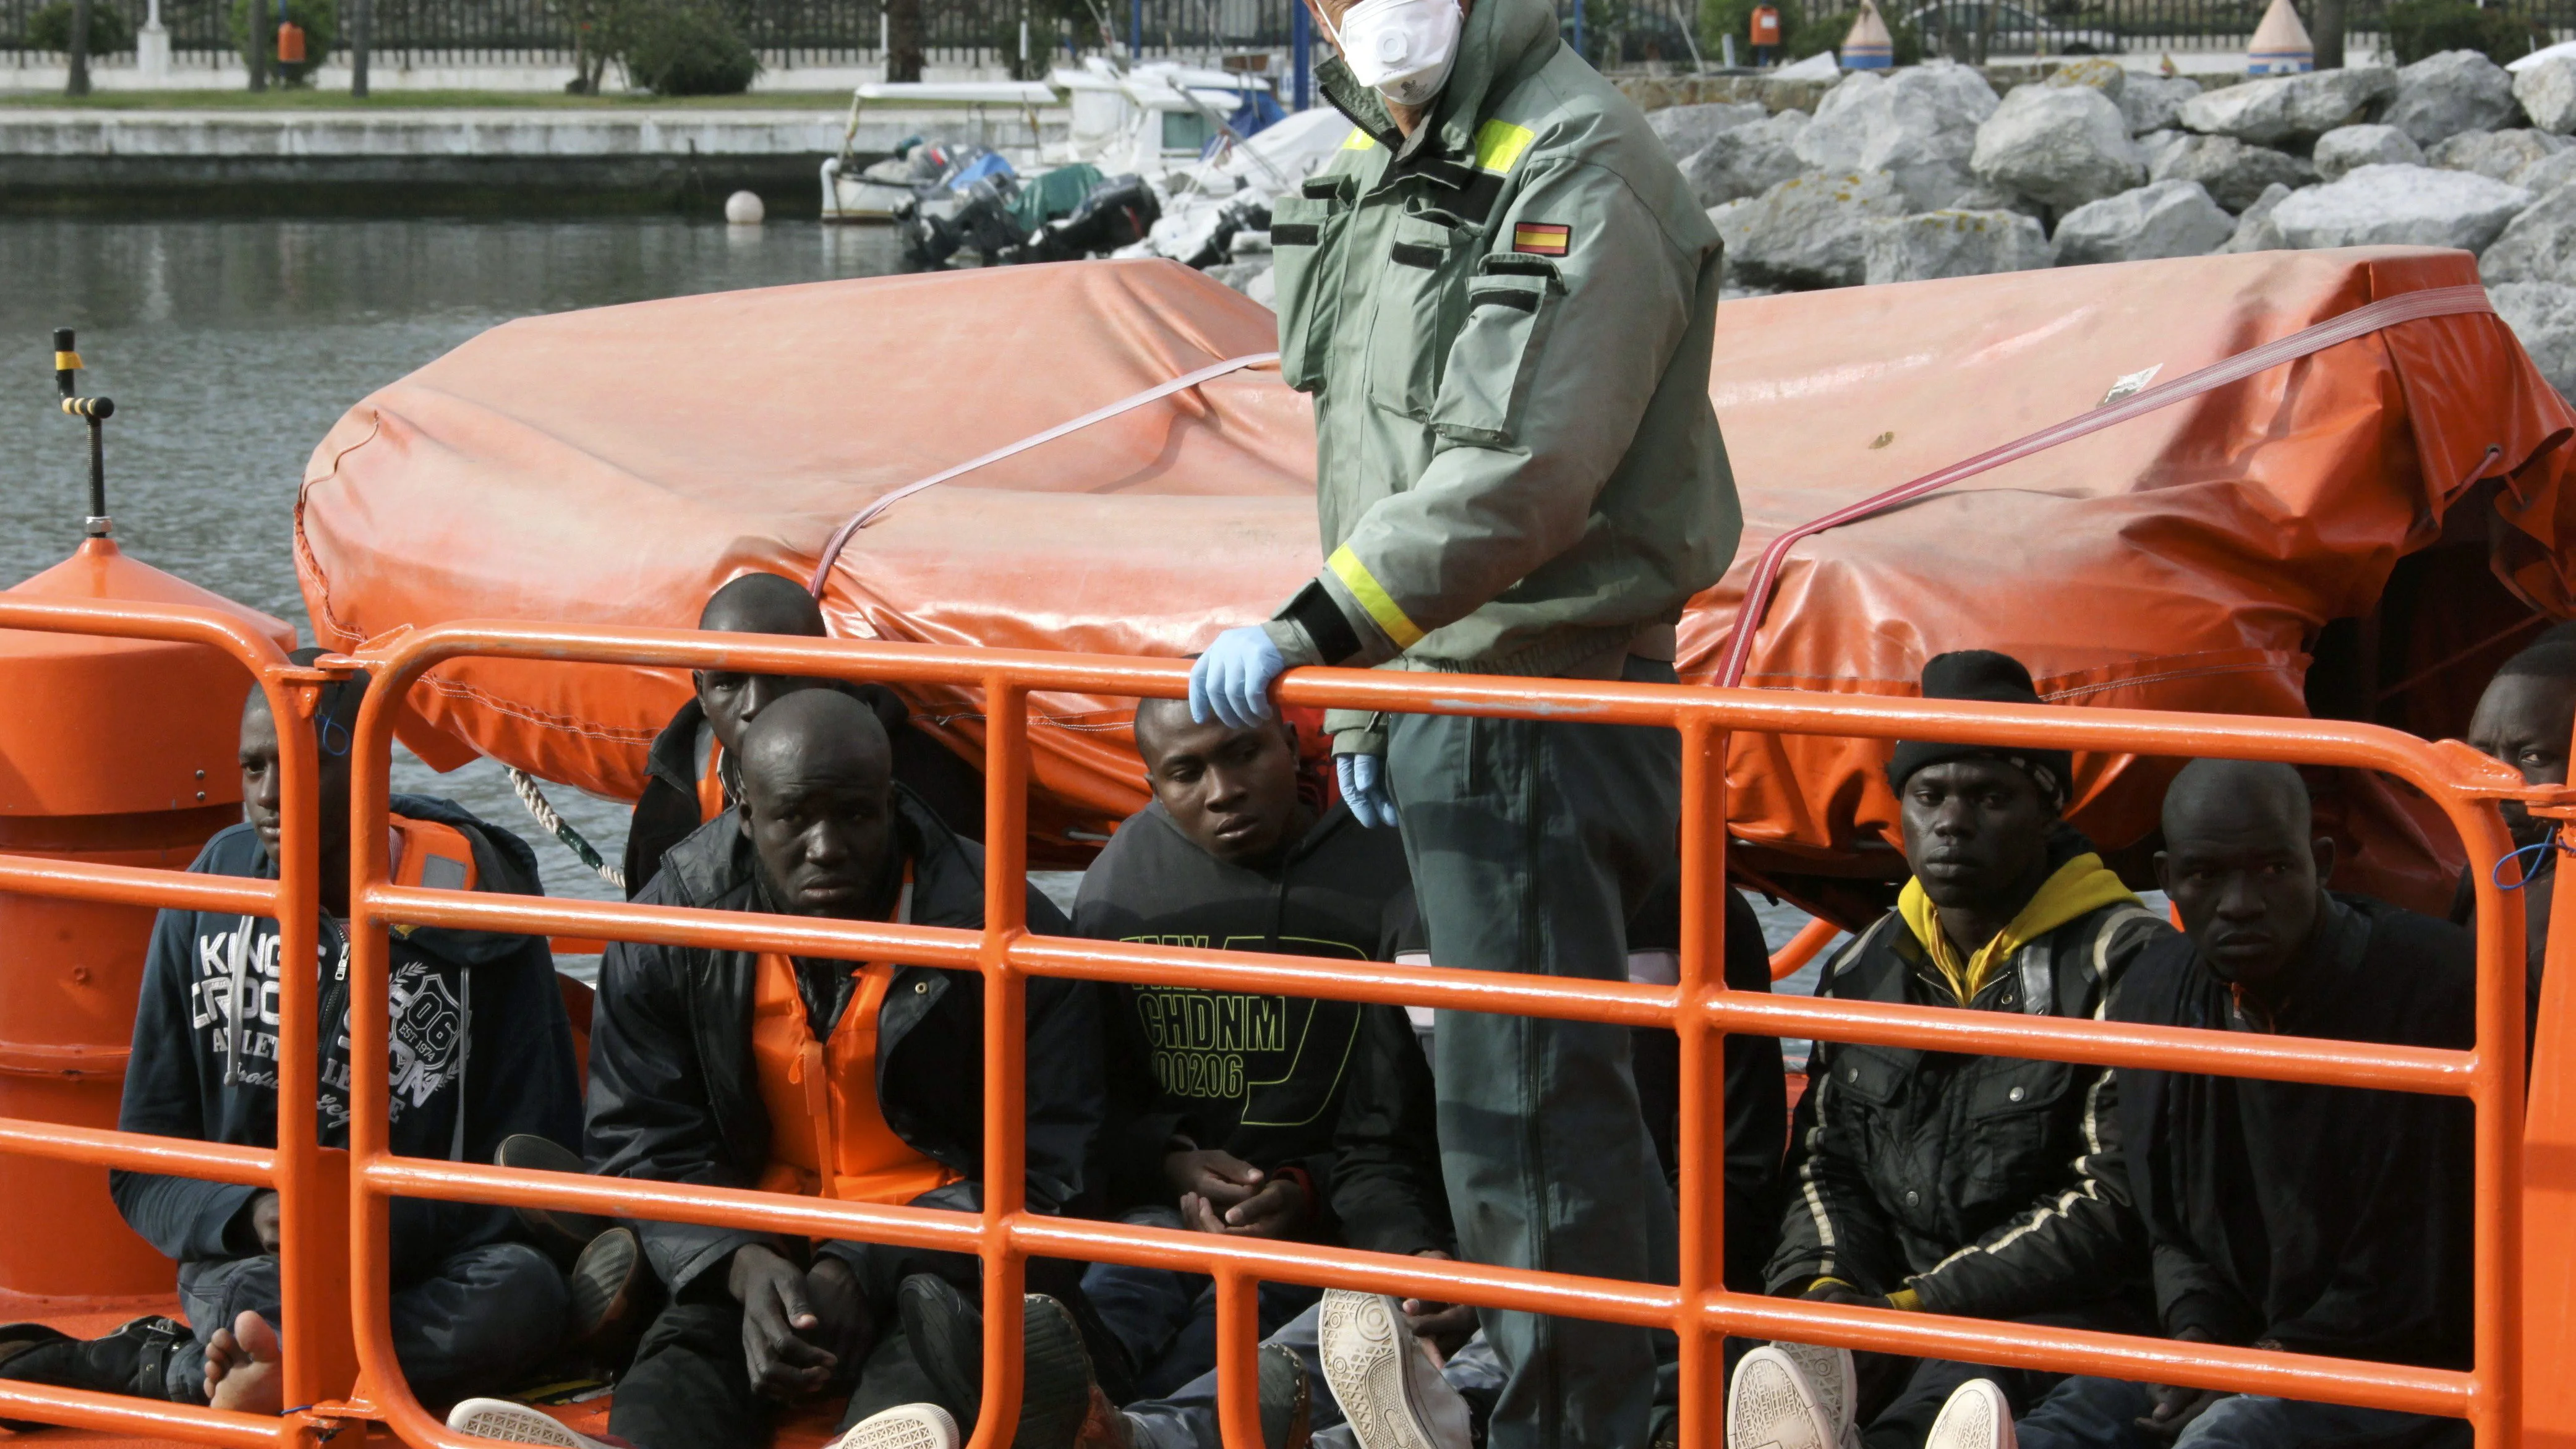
(868, 515)
(2359, 322)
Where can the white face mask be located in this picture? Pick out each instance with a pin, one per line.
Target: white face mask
(1404, 48)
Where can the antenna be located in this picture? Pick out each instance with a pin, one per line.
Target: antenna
(93, 410)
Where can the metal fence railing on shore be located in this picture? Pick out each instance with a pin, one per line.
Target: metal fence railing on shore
(1680, 34)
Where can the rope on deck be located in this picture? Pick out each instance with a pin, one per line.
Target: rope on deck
(543, 811)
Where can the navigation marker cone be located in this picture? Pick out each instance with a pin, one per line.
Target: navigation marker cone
(1870, 47)
(2281, 45)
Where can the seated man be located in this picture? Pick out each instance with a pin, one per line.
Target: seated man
(1224, 1104)
(690, 778)
(481, 1050)
(2324, 1220)
(2524, 719)
(1957, 1184)
(851, 1081)
(1358, 1352)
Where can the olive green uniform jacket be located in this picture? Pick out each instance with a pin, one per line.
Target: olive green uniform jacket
(1506, 321)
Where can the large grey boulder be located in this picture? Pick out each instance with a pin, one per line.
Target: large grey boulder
(2254, 229)
(2100, 72)
(2160, 219)
(1986, 196)
(2233, 173)
(2401, 206)
(2537, 246)
(2547, 92)
(2346, 147)
(2061, 145)
(2543, 315)
(2154, 102)
(1808, 231)
(1918, 124)
(2291, 108)
(2548, 174)
(2440, 96)
(1933, 244)
(1687, 129)
(1746, 161)
(2495, 154)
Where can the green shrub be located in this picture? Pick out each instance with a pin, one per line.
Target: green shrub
(685, 49)
(319, 19)
(1826, 32)
(2418, 28)
(50, 28)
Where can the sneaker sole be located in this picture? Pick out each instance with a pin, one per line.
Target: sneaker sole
(1055, 1382)
(1831, 1378)
(1976, 1417)
(602, 1282)
(513, 1423)
(1363, 1346)
(913, 1426)
(1764, 1410)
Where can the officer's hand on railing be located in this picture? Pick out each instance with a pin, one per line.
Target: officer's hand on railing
(1363, 780)
(1231, 682)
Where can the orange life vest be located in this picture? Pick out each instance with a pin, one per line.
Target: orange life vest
(711, 790)
(827, 1136)
(1766, 25)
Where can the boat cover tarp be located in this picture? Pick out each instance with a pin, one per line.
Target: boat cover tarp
(613, 466)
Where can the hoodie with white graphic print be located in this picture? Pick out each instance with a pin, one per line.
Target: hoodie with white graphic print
(481, 1050)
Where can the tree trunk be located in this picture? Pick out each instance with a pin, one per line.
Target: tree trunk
(2327, 33)
(903, 40)
(78, 84)
(361, 18)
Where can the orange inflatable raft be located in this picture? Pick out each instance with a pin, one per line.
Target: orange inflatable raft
(2362, 532)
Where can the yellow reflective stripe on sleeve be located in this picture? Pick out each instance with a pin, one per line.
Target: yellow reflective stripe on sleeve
(1364, 587)
(1357, 140)
(1499, 145)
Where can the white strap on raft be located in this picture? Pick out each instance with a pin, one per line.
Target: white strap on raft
(868, 515)
(2359, 322)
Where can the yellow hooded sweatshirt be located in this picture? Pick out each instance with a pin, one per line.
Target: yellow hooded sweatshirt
(2082, 884)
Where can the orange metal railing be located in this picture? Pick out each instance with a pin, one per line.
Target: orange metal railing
(1700, 1008)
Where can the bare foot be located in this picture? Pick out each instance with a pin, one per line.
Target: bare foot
(244, 1366)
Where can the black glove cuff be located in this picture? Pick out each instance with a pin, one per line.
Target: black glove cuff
(1314, 611)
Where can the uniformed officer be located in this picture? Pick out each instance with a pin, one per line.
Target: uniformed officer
(1502, 296)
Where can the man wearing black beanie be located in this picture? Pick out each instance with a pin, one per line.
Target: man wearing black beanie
(1984, 1187)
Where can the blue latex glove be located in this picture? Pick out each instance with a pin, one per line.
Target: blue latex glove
(1364, 789)
(1231, 681)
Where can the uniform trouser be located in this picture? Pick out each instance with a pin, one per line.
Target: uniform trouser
(1166, 1320)
(1187, 1417)
(486, 1316)
(1924, 1385)
(2090, 1413)
(1531, 844)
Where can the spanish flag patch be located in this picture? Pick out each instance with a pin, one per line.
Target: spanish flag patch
(1541, 239)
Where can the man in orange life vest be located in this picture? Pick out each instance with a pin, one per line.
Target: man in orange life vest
(859, 1082)
(480, 1050)
(690, 776)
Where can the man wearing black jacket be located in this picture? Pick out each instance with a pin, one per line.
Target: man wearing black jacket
(689, 774)
(863, 1083)
(1974, 1186)
(2524, 719)
(1224, 1104)
(481, 1051)
(2324, 1220)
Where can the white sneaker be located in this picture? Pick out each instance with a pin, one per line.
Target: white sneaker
(1387, 1386)
(1835, 1384)
(514, 1423)
(905, 1426)
(1976, 1417)
(1770, 1405)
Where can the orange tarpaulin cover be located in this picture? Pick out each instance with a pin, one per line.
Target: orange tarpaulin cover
(614, 466)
